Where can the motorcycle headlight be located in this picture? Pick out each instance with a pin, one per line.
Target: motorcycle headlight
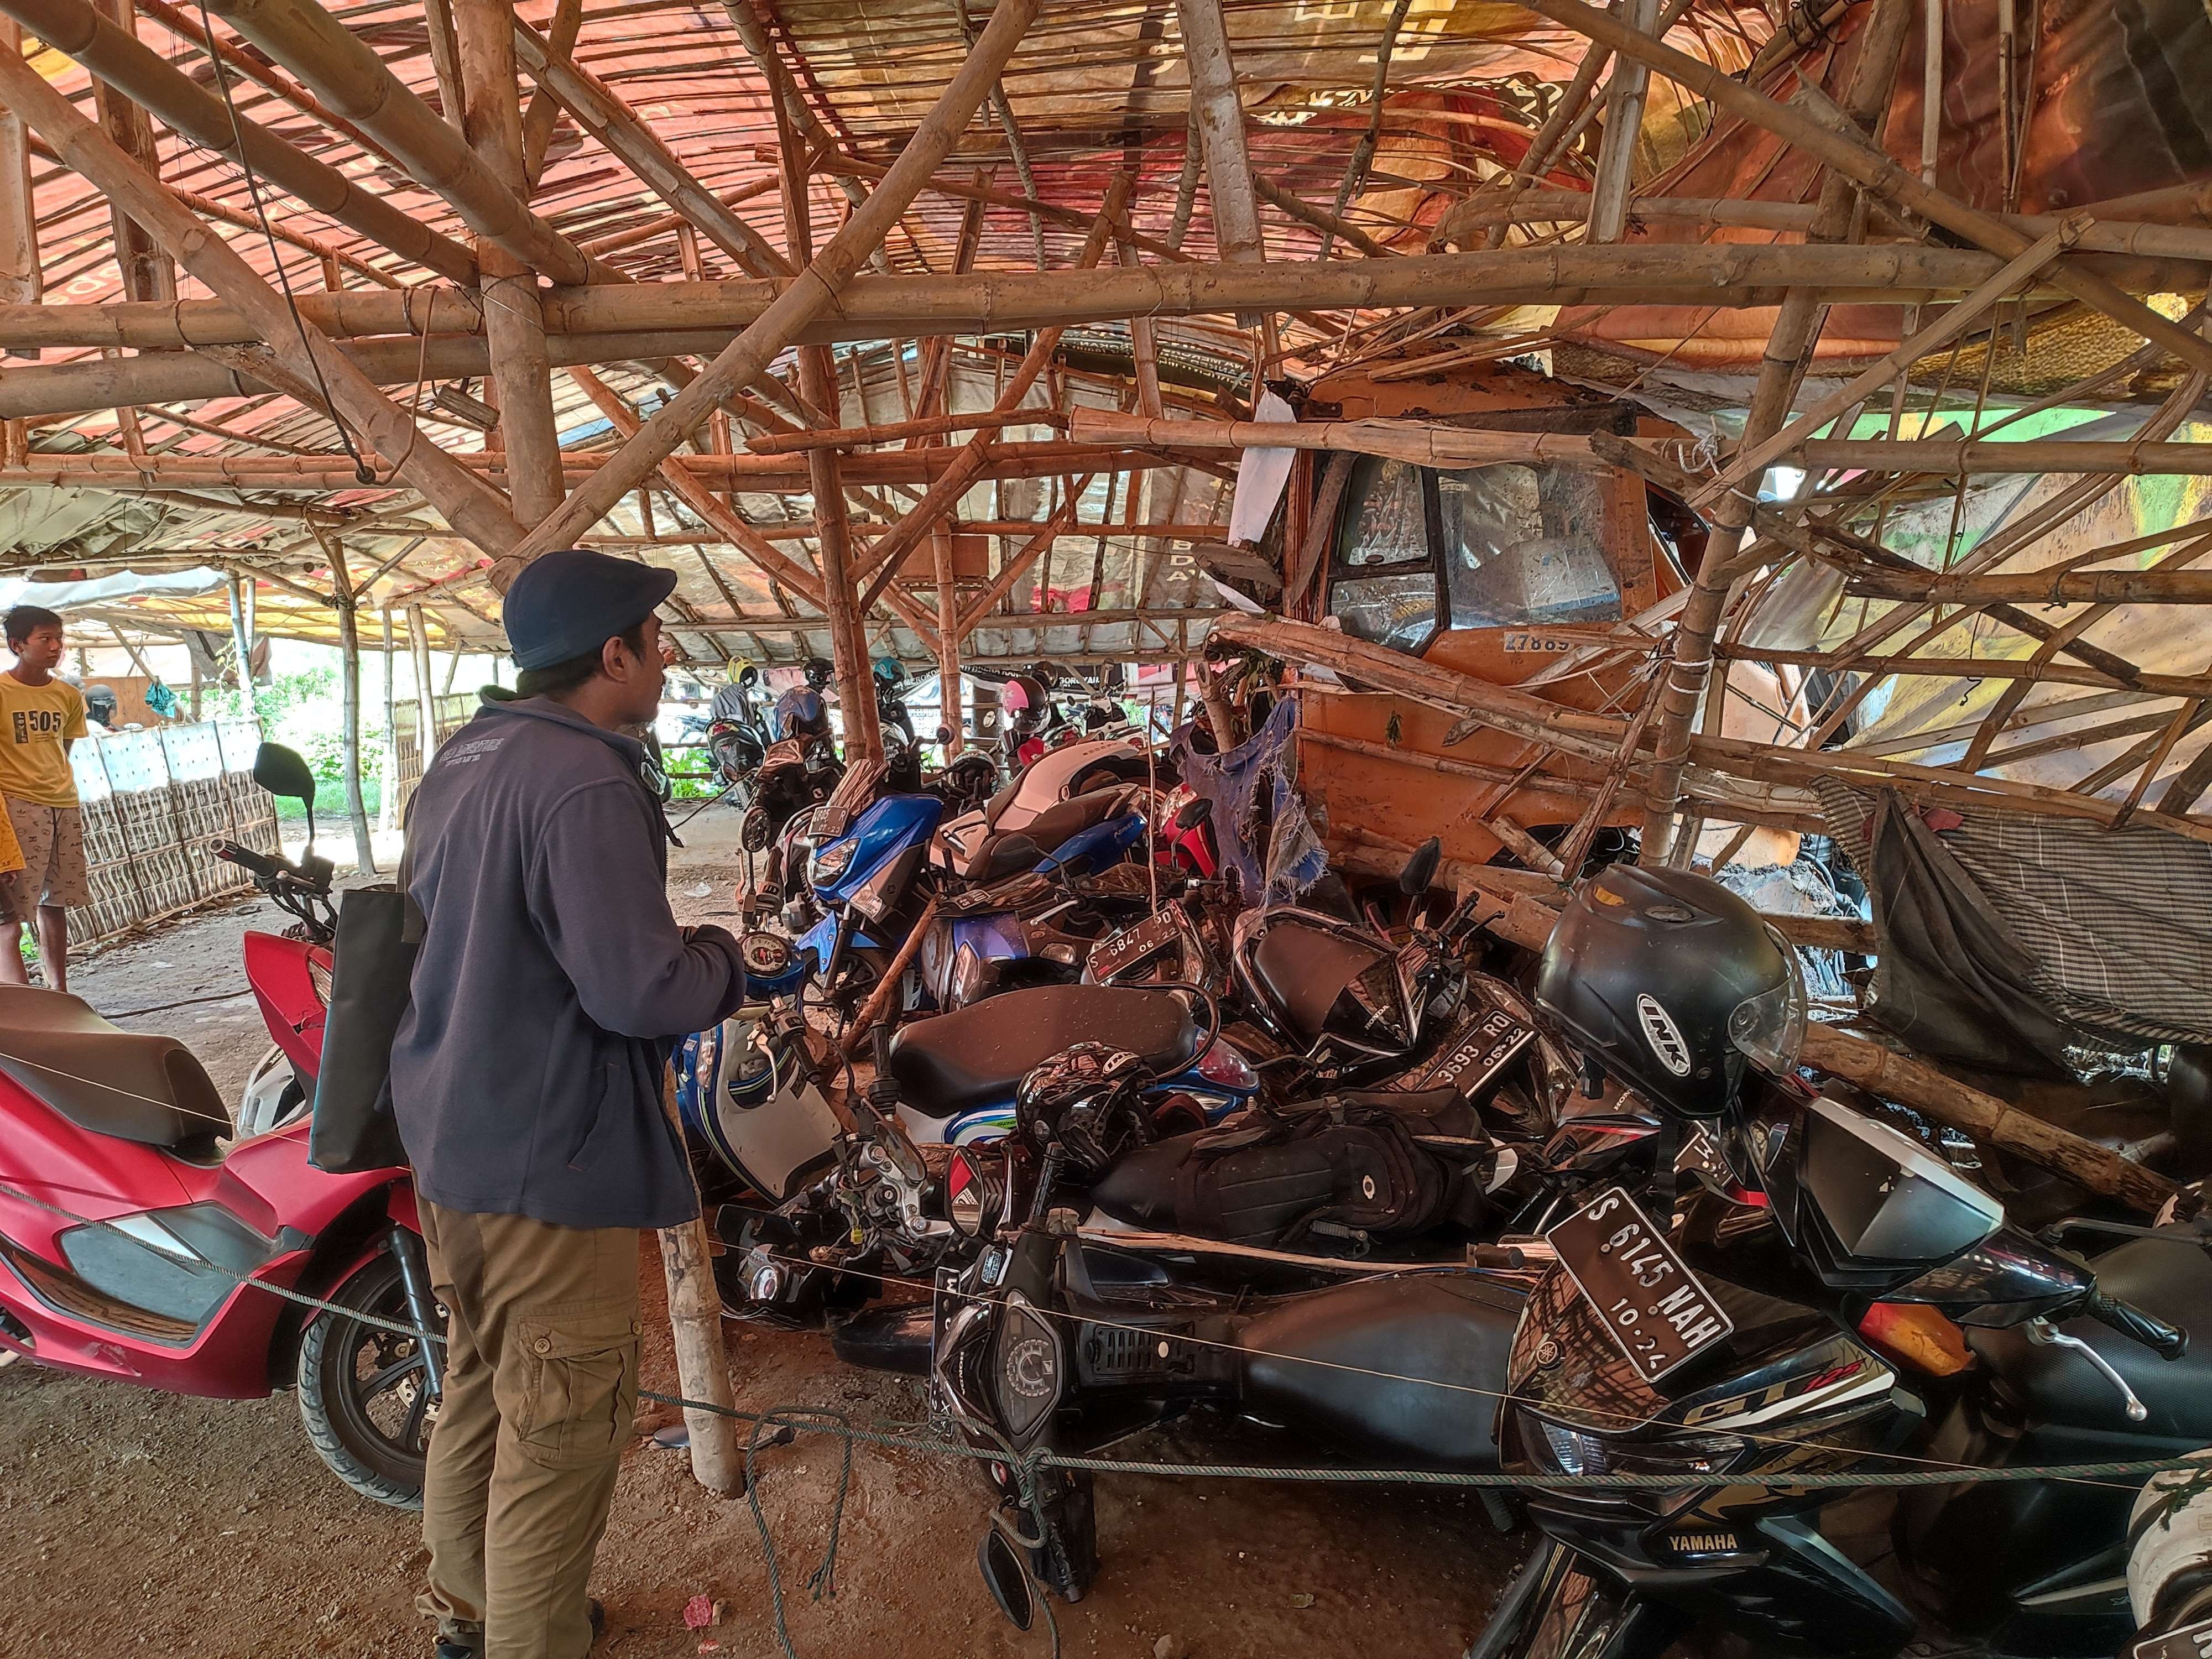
(1028, 1369)
(318, 976)
(1700, 1459)
(829, 863)
(967, 975)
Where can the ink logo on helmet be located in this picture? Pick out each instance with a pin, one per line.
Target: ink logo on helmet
(1664, 1036)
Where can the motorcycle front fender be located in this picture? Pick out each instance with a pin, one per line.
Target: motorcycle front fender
(1561, 1606)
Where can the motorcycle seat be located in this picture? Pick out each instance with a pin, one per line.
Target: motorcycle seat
(981, 1053)
(1008, 853)
(2171, 1280)
(1303, 969)
(148, 1089)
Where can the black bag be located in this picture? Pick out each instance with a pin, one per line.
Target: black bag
(354, 1129)
(1376, 1165)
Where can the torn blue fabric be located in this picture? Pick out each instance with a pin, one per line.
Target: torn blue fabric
(1260, 823)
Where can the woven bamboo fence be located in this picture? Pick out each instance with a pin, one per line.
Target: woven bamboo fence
(154, 803)
(452, 712)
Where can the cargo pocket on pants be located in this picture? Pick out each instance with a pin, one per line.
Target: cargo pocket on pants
(580, 1391)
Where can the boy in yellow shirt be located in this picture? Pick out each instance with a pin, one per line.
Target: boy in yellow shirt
(40, 717)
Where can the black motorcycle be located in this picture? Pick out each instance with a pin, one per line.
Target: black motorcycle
(1837, 1298)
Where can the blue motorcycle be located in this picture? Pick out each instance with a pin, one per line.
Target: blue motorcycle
(871, 885)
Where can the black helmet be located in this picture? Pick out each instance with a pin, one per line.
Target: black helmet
(1670, 982)
(819, 672)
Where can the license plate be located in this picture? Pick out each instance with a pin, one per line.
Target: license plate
(2189, 1642)
(1133, 945)
(1484, 1050)
(1652, 1305)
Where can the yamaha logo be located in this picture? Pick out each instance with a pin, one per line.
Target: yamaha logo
(1661, 1033)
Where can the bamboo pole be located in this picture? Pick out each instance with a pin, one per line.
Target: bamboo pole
(514, 324)
(387, 794)
(887, 432)
(470, 505)
(952, 695)
(1423, 443)
(19, 219)
(811, 294)
(340, 68)
(1321, 219)
(364, 851)
(695, 1323)
(2037, 587)
(1218, 115)
(848, 643)
(1722, 275)
(769, 474)
(148, 273)
(1624, 131)
(426, 707)
(120, 60)
(242, 641)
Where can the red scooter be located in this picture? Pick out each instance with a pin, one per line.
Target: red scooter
(134, 1243)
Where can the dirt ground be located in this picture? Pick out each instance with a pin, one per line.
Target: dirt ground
(133, 1521)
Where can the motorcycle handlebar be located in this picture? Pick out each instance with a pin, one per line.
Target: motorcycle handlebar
(2168, 1341)
(246, 859)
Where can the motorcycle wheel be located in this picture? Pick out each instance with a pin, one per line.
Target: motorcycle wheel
(364, 1391)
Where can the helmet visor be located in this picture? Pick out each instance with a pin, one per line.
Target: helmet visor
(1770, 1028)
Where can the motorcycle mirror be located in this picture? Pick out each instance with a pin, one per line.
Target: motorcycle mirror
(1421, 871)
(1004, 1577)
(282, 771)
(1192, 813)
(944, 734)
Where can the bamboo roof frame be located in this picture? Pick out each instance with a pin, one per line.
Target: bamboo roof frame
(513, 191)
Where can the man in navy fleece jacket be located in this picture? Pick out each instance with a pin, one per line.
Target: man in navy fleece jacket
(551, 984)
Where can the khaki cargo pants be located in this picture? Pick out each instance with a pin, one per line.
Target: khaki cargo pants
(541, 1382)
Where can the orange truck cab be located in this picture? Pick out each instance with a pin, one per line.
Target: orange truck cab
(1502, 572)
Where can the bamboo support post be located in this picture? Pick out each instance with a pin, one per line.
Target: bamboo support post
(148, 273)
(470, 505)
(1624, 132)
(364, 851)
(426, 707)
(1218, 115)
(702, 1362)
(952, 697)
(514, 324)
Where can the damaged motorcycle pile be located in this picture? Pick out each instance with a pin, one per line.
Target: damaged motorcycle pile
(1331, 1176)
